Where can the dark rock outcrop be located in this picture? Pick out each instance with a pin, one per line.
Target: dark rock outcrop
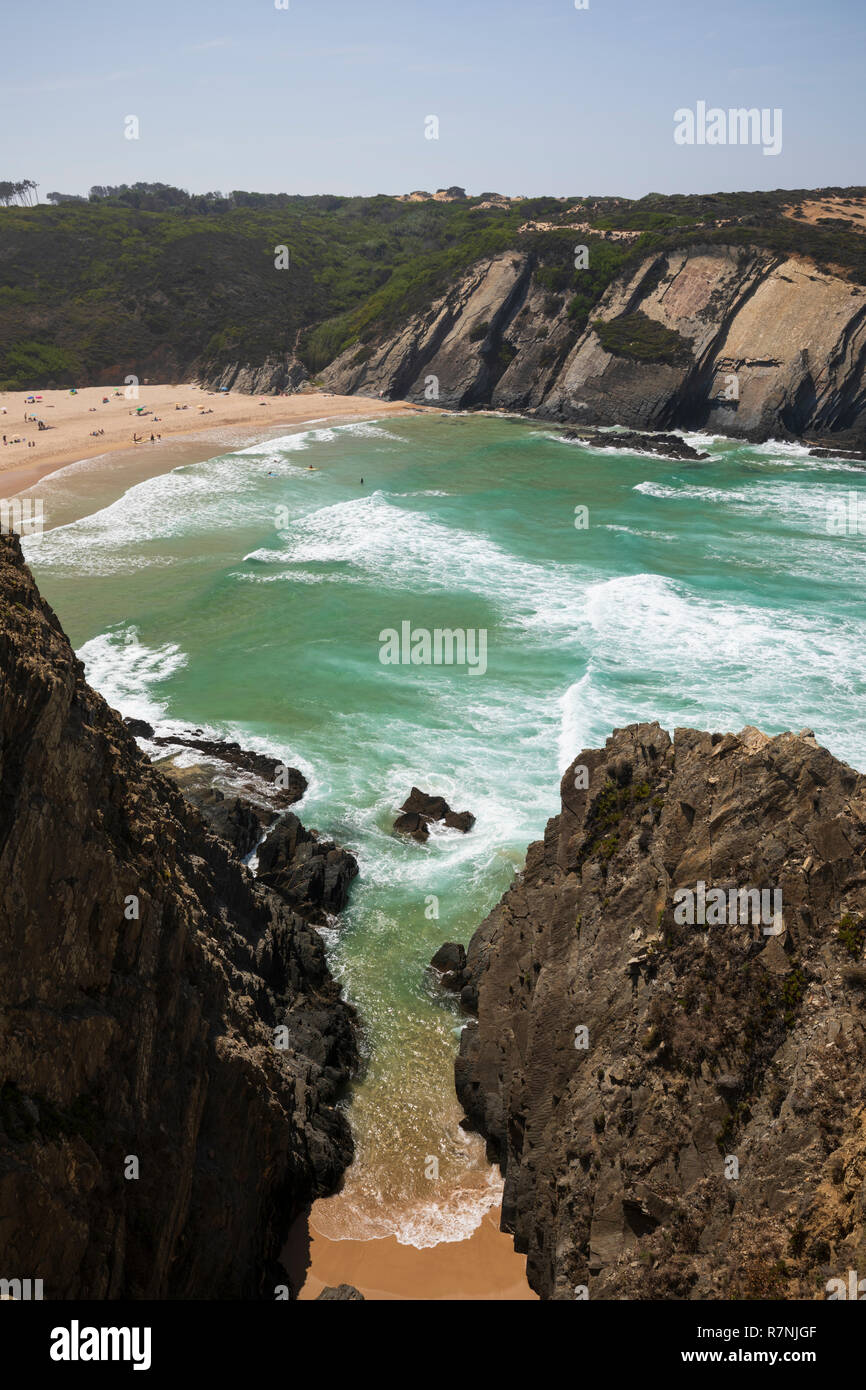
(235, 820)
(276, 375)
(341, 1293)
(268, 784)
(855, 455)
(669, 446)
(680, 1110)
(312, 875)
(158, 1129)
(450, 964)
(420, 810)
(284, 785)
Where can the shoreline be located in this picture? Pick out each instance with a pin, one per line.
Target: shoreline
(482, 1268)
(179, 414)
(199, 418)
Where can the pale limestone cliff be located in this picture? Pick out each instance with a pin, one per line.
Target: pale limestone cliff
(773, 347)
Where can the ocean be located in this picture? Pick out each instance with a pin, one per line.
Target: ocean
(248, 594)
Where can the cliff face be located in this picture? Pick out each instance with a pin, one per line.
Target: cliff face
(273, 376)
(771, 347)
(142, 973)
(706, 1136)
(457, 341)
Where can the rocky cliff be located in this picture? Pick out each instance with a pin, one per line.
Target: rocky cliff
(156, 1137)
(680, 1110)
(763, 346)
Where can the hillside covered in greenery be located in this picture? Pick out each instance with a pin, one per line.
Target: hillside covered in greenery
(154, 281)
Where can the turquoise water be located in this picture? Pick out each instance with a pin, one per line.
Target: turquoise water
(248, 593)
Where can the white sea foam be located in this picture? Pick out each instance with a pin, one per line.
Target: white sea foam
(689, 492)
(427, 492)
(636, 531)
(780, 448)
(364, 1211)
(127, 673)
(398, 549)
(715, 662)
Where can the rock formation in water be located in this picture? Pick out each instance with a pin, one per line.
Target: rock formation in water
(668, 446)
(420, 810)
(765, 346)
(156, 1137)
(680, 1110)
(449, 963)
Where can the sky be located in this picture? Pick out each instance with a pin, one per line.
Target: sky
(335, 96)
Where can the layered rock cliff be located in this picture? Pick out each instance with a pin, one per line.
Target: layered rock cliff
(769, 346)
(156, 1137)
(680, 1110)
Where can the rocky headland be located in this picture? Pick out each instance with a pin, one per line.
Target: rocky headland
(679, 1110)
(172, 1045)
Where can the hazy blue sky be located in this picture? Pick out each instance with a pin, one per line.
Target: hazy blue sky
(532, 96)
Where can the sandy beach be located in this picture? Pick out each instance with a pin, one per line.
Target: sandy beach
(482, 1268)
(168, 413)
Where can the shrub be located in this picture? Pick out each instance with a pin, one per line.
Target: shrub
(643, 339)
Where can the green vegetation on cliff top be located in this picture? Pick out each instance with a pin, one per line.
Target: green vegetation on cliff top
(93, 289)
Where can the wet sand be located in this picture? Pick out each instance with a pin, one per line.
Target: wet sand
(482, 1268)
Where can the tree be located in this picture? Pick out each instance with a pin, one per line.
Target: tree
(22, 192)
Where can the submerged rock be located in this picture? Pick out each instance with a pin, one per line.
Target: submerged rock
(679, 1109)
